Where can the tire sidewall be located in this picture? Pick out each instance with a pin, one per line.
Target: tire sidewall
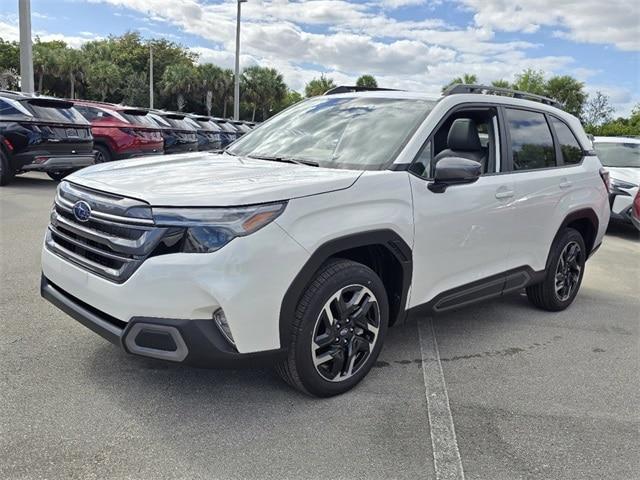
(6, 172)
(567, 236)
(310, 378)
(106, 155)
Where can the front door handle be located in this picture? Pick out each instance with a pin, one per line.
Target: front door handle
(500, 194)
(565, 183)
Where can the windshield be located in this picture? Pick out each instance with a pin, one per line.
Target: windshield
(58, 114)
(338, 132)
(618, 154)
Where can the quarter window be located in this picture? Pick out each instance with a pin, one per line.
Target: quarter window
(531, 140)
(571, 149)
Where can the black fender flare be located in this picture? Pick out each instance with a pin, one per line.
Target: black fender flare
(385, 238)
(582, 214)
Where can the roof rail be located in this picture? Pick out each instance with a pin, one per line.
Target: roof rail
(507, 92)
(354, 88)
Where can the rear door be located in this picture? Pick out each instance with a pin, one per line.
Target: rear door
(544, 176)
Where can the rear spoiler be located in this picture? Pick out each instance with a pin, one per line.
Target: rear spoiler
(135, 111)
(49, 102)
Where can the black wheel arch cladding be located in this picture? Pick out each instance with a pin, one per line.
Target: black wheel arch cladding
(393, 246)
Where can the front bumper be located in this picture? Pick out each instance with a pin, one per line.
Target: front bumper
(60, 163)
(193, 342)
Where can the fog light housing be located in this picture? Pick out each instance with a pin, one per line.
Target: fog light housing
(221, 322)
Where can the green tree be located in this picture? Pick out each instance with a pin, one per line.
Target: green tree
(9, 55)
(597, 110)
(368, 81)
(264, 89)
(104, 78)
(501, 84)
(531, 81)
(70, 64)
(210, 80)
(467, 79)
(179, 80)
(318, 86)
(568, 91)
(45, 55)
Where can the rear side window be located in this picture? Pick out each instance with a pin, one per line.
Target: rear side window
(571, 149)
(531, 140)
(55, 114)
(10, 107)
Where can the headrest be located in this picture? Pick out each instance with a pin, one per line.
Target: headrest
(463, 135)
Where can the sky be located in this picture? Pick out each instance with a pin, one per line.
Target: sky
(410, 44)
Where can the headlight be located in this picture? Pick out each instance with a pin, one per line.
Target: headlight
(615, 183)
(209, 229)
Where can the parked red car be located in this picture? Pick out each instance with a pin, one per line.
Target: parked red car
(120, 132)
(635, 211)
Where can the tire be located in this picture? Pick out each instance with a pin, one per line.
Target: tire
(102, 154)
(563, 275)
(336, 284)
(57, 176)
(6, 172)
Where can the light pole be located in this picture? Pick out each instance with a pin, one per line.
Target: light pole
(236, 86)
(26, 52)
(150, 75)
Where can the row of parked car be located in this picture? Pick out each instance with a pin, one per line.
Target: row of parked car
(57, 136)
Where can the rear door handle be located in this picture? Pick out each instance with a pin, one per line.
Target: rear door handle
(500, 194)
(565, 183)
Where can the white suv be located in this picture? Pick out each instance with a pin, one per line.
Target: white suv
(621, 157)
(316, 231)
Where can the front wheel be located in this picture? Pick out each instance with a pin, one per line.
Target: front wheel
(563, 277)
(338, 330)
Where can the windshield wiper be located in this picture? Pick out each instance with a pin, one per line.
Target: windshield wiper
(285, 160)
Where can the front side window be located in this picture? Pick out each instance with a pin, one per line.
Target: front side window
(621, 154)
(338, 132)
(531, 140)
(571, 149)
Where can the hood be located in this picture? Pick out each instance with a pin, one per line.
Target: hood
(626, 174)
(206, 179)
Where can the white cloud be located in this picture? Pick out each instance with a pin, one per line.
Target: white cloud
(614, 22)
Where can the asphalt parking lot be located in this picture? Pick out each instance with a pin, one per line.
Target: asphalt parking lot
(532, 395)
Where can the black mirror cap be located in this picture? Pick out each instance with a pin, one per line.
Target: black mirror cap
(454, 171)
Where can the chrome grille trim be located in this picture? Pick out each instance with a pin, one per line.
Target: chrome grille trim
(110, 244)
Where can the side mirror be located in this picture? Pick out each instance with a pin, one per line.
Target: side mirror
(454, 171)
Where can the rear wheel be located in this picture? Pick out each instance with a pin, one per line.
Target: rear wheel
(102, 154)
(338, 330)
(6, 172)
(563, 277)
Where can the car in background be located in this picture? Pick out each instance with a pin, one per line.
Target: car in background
(121, 132)
(621, 157)
(229, 132)
(241, 127)
(635, 211)
(42, 134)
(179, 136)
(209, 133)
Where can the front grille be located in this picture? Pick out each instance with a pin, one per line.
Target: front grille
(116, 239)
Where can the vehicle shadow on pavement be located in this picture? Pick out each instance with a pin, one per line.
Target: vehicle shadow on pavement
(33, 182)
(623, 231)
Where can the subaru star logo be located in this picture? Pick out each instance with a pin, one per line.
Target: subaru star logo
(82, 211)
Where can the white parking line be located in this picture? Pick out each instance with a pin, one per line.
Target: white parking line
(446, 457)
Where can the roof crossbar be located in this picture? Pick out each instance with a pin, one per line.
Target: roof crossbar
(354, 88)
(459, 88)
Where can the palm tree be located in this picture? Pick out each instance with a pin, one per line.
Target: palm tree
(224, 90)
(43, 60)
(104, 77)
(264, 88)
(467, 79)
(209, 79)
(318, 86)
(367, 81)
(69, 63)
(179, 79)
(501, 83)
